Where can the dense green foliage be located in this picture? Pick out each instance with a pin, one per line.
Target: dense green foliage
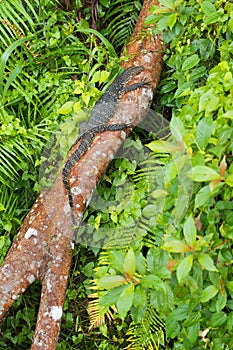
(165, 216)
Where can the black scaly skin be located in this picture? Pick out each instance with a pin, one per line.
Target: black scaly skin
(102, 112)
(105, 107)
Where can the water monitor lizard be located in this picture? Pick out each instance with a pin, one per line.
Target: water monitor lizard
(101, 114)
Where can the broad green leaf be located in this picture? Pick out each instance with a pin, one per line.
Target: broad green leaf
(111, 297)
(193, 332)
(180, 313)
(210, 11)
(202, 196)
(190, 62)
(190, 231)
(208, 102)
(80, 86)
(172, 327)
(159, 193)
(66, 108)
(149, 210)
(192, 318)
(218, 319)
(204, 130)
(208, 293)
(208, 7)
(140, 296)
(202, 173)
(108, 282)
(228, 114)
(125, 301)
(184, 268)
(221, 301)
(206, 262)
(175, 246)
(152, 281)
(230, 322)
(229, 180)
(167, 3)
(100, 76)
(171, 20)
(86, 98)
(162, 146)
(141, 263)
(230, 285)
(130, 263)
(177, 129)
(183, 90)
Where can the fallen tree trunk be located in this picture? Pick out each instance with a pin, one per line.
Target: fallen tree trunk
(42, 249)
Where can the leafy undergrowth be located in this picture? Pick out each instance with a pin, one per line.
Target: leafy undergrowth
(156, 271)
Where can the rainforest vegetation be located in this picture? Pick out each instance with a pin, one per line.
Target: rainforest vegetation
(165, 280)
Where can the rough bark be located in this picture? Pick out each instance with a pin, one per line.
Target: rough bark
(42, 249)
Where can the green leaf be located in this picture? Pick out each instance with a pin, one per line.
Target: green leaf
(190, 62)
(111, 297)
(172, 327)
(66, 108)
(208, 102)
(190, 231)
(201, 173)
(152, 281)
(125, 300)
(230, 322)
(221, 301)
(208, 293)
(108, 282)
(228, 114)
(130, 263)
(171, 20)
(229, 180)
(175, 246)
(184, 268)
(177, 129)
(193, 332)
(140, 296)
(230, 285)
(2, 241)
(202, 196)
(204, 130)
(210, 11)
(206, 262)
(162, 146)
(100, 76)
(108, 45)
(207, 7)
(167, 3)
(140, 263)
(15, 72)
(218, 319)
(86, 98)
(5, 56)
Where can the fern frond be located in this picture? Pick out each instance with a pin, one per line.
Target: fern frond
(98, 313)
(121, 18)
(149, 334)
